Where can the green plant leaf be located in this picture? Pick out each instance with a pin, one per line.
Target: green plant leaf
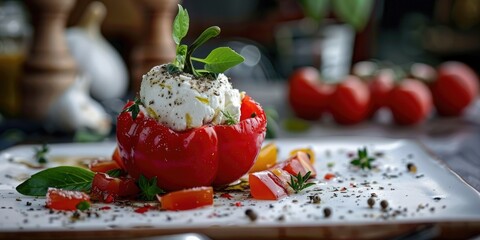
(180, 25)
(180, 57)
(315, 9)
(355, 13)
(149, 188)
(63, 177)
(221, 59)
(208, 33)
(134, 108)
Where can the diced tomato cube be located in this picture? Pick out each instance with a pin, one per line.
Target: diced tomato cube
(298, 163)
(60, 199)
(107, 189)
(187, 199)
(265, 185)
(329, 176)
(99, 165)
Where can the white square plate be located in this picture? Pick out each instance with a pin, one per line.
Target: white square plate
(434, 197)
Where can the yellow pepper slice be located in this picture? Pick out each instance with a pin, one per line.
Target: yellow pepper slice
(308, 151)
(266, 158)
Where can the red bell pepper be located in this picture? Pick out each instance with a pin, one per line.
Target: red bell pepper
(209, 155)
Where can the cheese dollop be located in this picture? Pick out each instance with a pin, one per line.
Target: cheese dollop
(182, 101)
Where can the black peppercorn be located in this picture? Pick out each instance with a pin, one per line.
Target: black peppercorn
(252, 215)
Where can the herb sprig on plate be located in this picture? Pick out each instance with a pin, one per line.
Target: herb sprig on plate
(78, 179)
(41, 154)
(299, 182)
(363, 160)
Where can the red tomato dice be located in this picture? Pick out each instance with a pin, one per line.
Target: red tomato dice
(349, 104)
(60, 199)
(298, 163)
(103, 166)
(456, 87)
(107, 189)
(307, 95)
(187, 199)
(265, 185)
(410, 102)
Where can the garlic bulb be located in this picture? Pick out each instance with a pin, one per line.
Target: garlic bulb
(95, 57)
(75, 110)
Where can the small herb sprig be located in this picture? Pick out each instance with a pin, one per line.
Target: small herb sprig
(363, 160)
(230, 119)
(135, 108)
(148, 188)
(299, 182)
(83, 205)
(41, 154)
(218, 61)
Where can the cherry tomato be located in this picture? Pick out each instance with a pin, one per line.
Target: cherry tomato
(107, 189)
(456, 87)
(380, 86)
(209, 155)
(307, 95)
(265, 185)
(60, 199)
(266, 158)
(187, 199)
(410, 102)
(99, 165)
(349, 103)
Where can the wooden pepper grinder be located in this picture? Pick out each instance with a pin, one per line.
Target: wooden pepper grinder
(157, 46)
(49, 69)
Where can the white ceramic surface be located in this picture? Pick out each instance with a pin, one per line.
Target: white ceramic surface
(433, 194)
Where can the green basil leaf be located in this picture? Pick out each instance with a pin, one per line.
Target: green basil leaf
(355, 13)
(180, 24)
(221, 59)
(63, 177)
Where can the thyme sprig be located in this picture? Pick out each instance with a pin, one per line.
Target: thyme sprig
(135, 108)
(299, 182)
(363, 160)
(230, 119)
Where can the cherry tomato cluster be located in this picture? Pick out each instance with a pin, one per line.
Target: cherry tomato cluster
(449, 89)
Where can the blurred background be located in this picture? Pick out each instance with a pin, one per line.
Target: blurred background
(276, 37)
